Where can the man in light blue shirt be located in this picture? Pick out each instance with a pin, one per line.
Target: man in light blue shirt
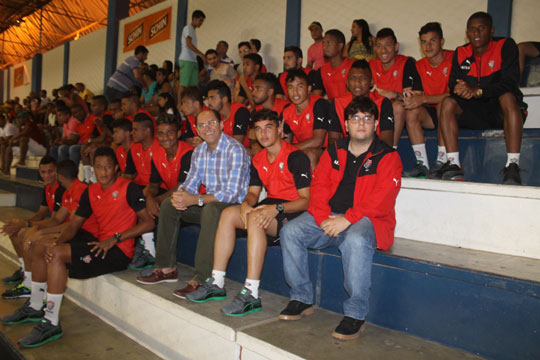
(189, 71)
(222, 165)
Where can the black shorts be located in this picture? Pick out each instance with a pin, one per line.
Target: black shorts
(281, 219)
(85, 265)
(481, 114)
(432, 111)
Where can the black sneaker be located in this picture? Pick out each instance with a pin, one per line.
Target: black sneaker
(19, 291)
(436, 170)
(206, 292)
(243, 304)
(41, 334)
(295, 310)
(420, 171)
(143, 261)
(349, 329)
(22, 315)
(511, 175)
(453, 172)
(15, 278)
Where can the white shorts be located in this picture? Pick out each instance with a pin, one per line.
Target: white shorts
(34, 149)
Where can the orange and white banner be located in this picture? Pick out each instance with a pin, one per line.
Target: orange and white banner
(18, 76)
(148, 30)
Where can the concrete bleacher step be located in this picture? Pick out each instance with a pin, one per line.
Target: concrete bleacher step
(7, 198)
(175, 328)
(28, 192)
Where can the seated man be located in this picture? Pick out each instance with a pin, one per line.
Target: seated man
(422, 109)
(222, 165)
(292, 59)
(139, 158)
(331, 78)
(119, 208)
(221, 48)
(235, 116)
(69, 136)
(305, 121)
(484, 84)
(218, 70)
(252, 67)
(351, 207)
(359, 83)
(122, 129)
(7, 131)
(285, 173)
(131, 106)
(192, 104)
(47, 230)
(16, 228)
(393, 74)
(29, 140)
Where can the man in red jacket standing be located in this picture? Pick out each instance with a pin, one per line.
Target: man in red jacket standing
(353, 193)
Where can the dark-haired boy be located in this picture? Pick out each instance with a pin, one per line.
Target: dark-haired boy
(189, 69)
(392, 74)
(484, 84)
(119, 208)
(29, 140)
(191, 103)
(306, 119)
(331, 78)
(351, 207)
(292, 59)
(359, 83)
(423, 108)
(121, 137)
(284, 171)
(252, 67)
(139, 159)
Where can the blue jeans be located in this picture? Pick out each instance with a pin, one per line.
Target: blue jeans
(356, 244)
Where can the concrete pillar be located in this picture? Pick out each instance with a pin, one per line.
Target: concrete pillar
(292, 22)
(37, 72)
(66, 64)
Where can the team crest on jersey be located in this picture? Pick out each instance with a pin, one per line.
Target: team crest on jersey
(281, 166)
(395, 73)
(367, 164)
(445, 70)
(86, 259)
(115, 194)
(491, 64)
(308, 117)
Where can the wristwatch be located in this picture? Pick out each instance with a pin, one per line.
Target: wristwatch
(280, 208)
(117, 237)
(478, 93)
(201, 201)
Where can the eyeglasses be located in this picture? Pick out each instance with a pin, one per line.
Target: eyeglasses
(211, 123)
(355, 119)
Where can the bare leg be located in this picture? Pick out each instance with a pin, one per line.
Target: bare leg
(416, 121)
(226, 236)
(57, 272)
(399, 120)
(513, 122)
(23, 143)
(526, 49)
(257, 245)
(450, 110)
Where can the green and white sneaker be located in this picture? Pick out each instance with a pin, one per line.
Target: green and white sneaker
(15, 278)
(41, 334)
(243, 304)
(420, 171)
(22, 315)
(206, 292)
(17, 292)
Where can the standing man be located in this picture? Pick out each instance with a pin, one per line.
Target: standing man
(353, 194)
(222, 165)
(189, 70)
(127, 75)
(292, 59)
(484, 84)
(315, 51)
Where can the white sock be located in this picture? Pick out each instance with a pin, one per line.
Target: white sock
(149, 244)
(21, 261)
(52, 310)
(395, 147)
(421, 154)
(441, 154)
(38, 294)
(512, 158)
(93, 178)
(86, 169)
(219, 278)
(253, 285)
(454, 158)
(28, 279)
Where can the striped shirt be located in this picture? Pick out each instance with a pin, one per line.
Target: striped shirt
(224, 172)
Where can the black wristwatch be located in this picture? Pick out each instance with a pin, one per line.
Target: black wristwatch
(117, 237)
(280, 208)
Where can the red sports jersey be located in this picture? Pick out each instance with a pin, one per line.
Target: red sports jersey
(435, 79)
(302, 125)
(121, 156)
(142, 160)
(228, 123)
(49, 195)
(283, 84)
(86, 128)
(113, 213)
(70, 200)
(342, 102)
(168, 170)
(391, 79)
(276, 176)
(335, 80)
(192, 131)
(142, 111)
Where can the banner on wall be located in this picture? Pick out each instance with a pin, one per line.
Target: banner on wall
(148, 30)
(18, 76)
